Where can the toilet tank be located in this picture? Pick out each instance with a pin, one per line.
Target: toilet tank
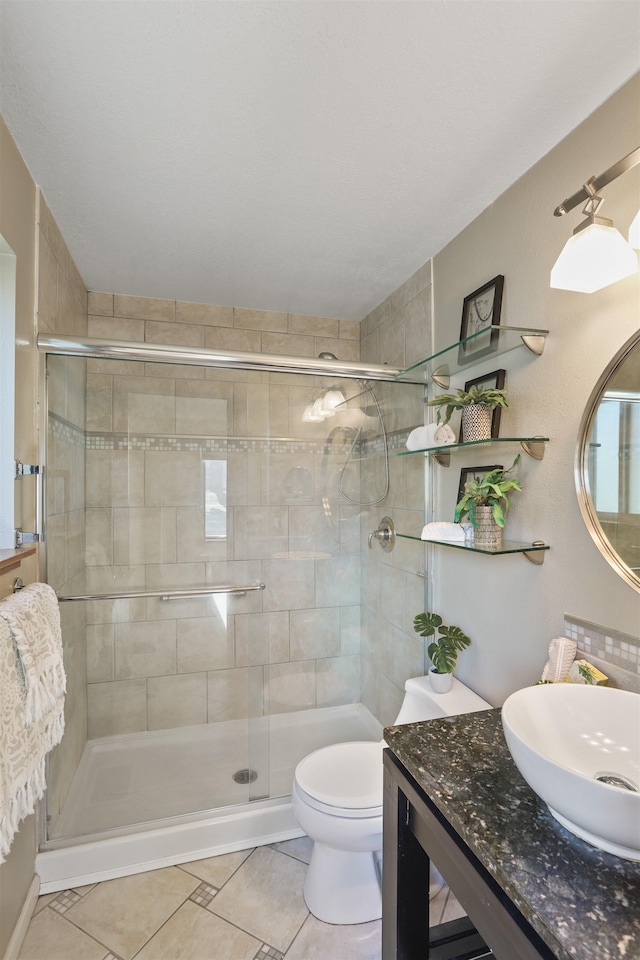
(421, 703)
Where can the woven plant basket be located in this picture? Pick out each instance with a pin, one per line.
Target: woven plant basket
(487, 532)
(476, 422)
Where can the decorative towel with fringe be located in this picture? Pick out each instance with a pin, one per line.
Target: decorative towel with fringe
(32, 688)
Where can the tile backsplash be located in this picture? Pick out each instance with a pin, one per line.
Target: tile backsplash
(619, 649)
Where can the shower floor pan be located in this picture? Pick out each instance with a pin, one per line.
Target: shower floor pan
(143, 801)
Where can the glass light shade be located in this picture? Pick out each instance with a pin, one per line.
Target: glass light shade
(310, 415)
(331, 400)
(317, 409)
(634, 232)
(593, 258)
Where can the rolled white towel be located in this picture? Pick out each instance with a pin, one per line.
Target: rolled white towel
(421, 438)
(443, 530)
(562, 653)
(431, 435)
(444, 435)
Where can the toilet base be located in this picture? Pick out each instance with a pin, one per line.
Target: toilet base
(342, 886)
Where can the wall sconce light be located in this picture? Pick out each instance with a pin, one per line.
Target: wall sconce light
(312, 412)
(331, 400)
(597, 254)
(325, 406)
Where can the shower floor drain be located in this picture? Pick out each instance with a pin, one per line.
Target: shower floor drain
(246, 775)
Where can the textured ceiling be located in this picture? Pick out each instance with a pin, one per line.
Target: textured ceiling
(298, 156)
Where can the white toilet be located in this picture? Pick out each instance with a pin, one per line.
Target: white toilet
(337, 801)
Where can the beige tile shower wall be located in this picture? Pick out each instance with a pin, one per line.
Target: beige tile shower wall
(155, 664)
(65, 556)
(113, 316)
(62, 308)
(397, 332)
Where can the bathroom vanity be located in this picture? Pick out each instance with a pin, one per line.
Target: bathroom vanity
(530, 888)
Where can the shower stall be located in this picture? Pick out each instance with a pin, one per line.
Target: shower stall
(206, 518)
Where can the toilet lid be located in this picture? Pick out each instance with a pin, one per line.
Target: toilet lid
(347, 775)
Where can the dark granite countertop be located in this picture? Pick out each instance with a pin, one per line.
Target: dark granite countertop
(584, 903)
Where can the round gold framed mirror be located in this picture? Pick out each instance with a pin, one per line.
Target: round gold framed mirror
(608, 463)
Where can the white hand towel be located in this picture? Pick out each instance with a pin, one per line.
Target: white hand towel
(562, 653)
(442, 530)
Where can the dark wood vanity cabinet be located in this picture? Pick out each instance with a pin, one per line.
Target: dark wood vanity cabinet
(531, 889)
(415, 832)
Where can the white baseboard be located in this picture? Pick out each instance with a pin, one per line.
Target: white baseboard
(20, 930)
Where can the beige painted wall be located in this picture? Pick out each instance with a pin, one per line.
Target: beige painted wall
(509, 607)
(17, 221)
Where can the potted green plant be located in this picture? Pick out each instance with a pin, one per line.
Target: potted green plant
(477, 405)
(443, 651)
(486, 503)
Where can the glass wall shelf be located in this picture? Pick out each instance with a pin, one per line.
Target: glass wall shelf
(534, 446)
(480, 346)
(535, 549)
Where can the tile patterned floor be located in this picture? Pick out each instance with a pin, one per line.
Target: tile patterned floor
(238, 906)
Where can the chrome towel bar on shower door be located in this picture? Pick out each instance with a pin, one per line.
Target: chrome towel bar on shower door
(238, 590)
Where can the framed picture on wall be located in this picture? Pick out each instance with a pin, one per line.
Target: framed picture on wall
(480, 314)
(473, 473)
(496, 380)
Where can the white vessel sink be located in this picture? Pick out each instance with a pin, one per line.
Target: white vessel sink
(578, 748)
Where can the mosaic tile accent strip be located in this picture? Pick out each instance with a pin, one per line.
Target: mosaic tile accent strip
(203, 895)
(396, 441)
(613, 646)
(172, 444)
(64, 901)
(61, 429)
(268, 953)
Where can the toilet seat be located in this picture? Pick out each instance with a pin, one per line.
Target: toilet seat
(344, 779)
(331, 810)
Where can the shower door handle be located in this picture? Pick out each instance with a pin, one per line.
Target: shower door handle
(236, 591)
(185, 594)
(34, 470)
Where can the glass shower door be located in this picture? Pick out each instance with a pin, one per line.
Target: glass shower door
(160, 716)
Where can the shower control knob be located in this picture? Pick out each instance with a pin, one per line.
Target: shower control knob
(385, 535)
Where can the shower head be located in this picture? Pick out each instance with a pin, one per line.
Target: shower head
(325, 355)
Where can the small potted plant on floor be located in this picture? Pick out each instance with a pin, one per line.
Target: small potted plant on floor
(443, 651)
(486, 502)
(477, 405)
